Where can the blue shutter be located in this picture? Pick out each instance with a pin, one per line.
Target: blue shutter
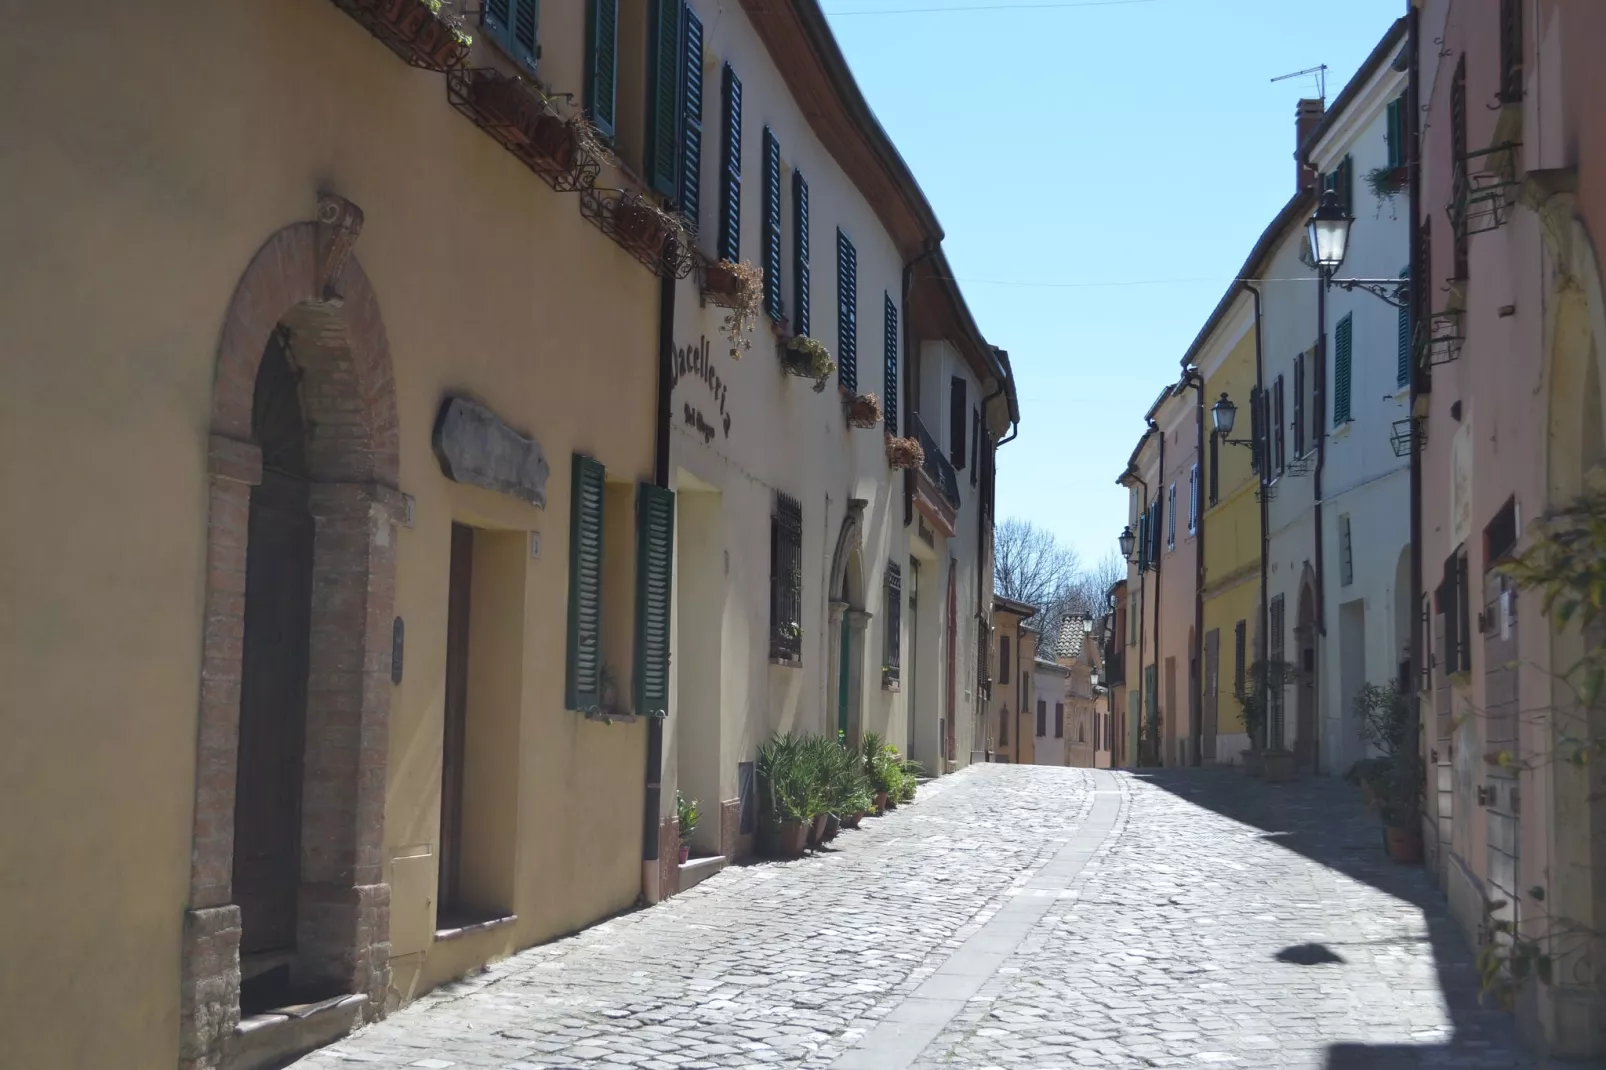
(691, 133)
(800, 253)
(730, 172)
(655, 551)
(889, 404)
(583, 676)
(663, 98)
(772, 225)
(602, 64)
(847, 312)
(1341, 370)
(1402, 370)
(512, 23)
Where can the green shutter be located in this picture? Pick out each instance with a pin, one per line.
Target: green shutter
(691, 118)
(1396, 132)
(513, 23)
(663, 98)
(602, 64)
(800, 253)
(1346, 184)
(730, 168)
(583, 675)
(1341, 371)
(772, 225)
(655, 552)
(1402, 371)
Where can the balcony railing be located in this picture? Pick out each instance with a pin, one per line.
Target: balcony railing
(937, 466)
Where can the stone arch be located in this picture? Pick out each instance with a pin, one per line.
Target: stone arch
(303, 291)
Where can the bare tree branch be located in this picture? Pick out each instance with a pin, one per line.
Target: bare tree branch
(1030, 565)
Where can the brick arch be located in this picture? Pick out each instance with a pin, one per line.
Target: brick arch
(303, 283)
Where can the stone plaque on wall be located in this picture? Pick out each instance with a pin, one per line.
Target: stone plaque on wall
(475, 447)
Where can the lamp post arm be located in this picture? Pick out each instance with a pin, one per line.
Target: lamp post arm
(1394, 291)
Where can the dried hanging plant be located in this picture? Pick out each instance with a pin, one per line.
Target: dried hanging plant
(746, 297)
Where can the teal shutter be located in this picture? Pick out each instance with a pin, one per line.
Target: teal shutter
(800, 253)
(512, 23)
(772, 225)
(1396, 132)
(602, 64)
(1346, 184)
(691, 118)
(583, 675)
(730, 171)
(663, 98)
(890, 403)
(847, 312)
(1341, 370)
(655, 554)
(1402, 369)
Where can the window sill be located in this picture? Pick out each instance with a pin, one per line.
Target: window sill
(611, 718)
(1343, 429)
(891, 686)
(787, 663)
(467, 928)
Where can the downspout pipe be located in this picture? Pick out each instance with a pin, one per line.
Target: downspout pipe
(1143, 605)
(1263, 640)
(651, 803)
(1159, 588)
(1194, 379)
(1320, 396)
(1418, 656)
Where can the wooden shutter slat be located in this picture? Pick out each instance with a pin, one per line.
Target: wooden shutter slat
(691, 135)
(602, 64)
(958, 410)
(772, 225)
(730, 183)
(584, 666)
(664, 104)
(800, 253)
(847, 312)
(524, 26)
(1299, 405)
(889, 405)
(655, 551)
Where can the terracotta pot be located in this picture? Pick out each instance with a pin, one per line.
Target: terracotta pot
(852, 820)
(1280, 766)
(1404, 845)
(892, 801)
(904, 453)
(794, 837)
(862, 414)
(512, 106)
(685, 853)
(408, 16)
(817, 830)
(720, 279)
(833, 825)
(554, 139)
(436, 43)
(638, 226)
(880, 802)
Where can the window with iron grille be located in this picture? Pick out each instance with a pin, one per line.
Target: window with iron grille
(894, 615)
(786, 580)
(1510, 51)
(847, 313)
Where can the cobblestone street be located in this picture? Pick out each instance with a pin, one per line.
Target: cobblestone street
(1013, 917)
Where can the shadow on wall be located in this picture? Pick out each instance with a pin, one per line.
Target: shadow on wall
(1324, 820)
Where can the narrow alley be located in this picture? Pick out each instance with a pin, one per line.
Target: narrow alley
(1014, 916)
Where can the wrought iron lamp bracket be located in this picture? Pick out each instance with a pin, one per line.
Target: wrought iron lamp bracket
(1394, 291)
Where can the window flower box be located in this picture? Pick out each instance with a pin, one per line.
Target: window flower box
(807, 358)
(518, 115)
(864, 410)
(652, 235)
(424, 33)
(905, 453)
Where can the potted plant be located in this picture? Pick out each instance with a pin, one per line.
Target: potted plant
(864, 410)
(1386, 183)
(686, 811)
(905, 452)
(808, 358)
(784, 796)
(740, 288)
(1384, 718)
(421, 31)
(1266, 679)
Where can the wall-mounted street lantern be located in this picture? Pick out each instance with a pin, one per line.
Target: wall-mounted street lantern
(1328, 230)
(1223, 416)
(1127, 541)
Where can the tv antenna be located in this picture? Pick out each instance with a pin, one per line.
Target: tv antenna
(1320, 71)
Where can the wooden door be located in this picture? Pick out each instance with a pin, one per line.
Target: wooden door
(273, 671)
(455, 731)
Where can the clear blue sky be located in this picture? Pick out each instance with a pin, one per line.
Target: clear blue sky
(1101, 172)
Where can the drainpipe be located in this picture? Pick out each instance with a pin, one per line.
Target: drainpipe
(1196, 733)
(1263, 641)
(660, 477)
(1321, 447)
(1413, 697)
(1159, 588)
(1143, 605)
(983, 519)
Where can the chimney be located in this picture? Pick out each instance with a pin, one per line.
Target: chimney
(1307, 113)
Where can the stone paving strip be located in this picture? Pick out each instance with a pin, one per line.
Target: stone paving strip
(1015, 918)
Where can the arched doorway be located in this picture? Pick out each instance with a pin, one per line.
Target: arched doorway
(287, 899)
(1307, 745)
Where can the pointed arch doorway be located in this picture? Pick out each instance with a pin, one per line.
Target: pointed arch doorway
(848, 627)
